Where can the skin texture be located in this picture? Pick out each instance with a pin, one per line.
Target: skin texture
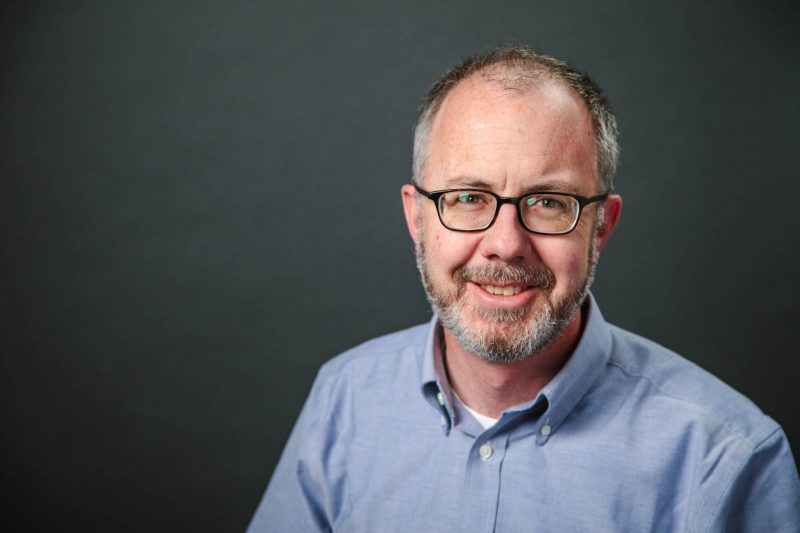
(509, 142)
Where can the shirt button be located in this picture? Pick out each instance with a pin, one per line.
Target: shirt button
(440, 397)
(545, 431)
(485, 450)
(442, 421)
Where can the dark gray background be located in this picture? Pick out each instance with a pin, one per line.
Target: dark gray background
(200, 205)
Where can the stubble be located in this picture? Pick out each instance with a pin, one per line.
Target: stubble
(505, 335)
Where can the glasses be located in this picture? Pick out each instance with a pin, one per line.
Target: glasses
(546, 213)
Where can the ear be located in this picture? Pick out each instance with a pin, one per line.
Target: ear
(411, 210)
(612, 209)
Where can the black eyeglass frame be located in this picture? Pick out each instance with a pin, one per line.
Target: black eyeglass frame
(583, 201)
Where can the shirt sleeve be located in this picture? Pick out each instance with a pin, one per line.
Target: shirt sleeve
(300, 497)
(765, 493)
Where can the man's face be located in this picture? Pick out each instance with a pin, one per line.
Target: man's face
(505, 292)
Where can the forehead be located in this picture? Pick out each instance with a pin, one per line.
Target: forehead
(512, 139)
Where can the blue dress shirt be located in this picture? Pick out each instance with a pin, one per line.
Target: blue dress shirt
(627, 437)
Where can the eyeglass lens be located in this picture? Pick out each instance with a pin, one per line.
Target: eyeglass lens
(545, 213)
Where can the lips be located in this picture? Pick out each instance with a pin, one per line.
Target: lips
(511, 283)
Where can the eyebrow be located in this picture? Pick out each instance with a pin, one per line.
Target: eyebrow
(551, 185)
(467, 182)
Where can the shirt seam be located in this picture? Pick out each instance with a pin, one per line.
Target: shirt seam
(333, 381)
(734, 477)
(731, 430)
(335, 366)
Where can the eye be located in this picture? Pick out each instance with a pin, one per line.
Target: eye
(551, 203)
(546, 202)
(468, 198)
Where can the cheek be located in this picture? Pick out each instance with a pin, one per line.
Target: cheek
(447, 250)
(567, 259)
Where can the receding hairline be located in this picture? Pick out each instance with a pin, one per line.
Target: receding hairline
(514, 73)
(518, 69)
(511, 81)
(515, 76)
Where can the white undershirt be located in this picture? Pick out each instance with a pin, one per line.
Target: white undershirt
(485, 421)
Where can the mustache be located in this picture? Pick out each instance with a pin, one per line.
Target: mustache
(540, 277)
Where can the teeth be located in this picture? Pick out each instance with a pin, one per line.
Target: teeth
(502, 291)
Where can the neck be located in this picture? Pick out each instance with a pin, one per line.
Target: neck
(490, 388)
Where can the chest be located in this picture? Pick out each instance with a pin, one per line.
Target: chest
(510, 482)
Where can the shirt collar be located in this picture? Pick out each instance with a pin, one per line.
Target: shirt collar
(561, 394)
(581, 371)
(435, 386)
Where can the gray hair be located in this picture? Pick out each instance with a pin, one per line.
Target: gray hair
(518, 68)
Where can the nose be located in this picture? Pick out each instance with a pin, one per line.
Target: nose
(506, 239)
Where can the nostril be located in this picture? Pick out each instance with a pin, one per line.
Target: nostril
(506, 240)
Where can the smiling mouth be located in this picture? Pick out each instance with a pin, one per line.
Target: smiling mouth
(509, 290)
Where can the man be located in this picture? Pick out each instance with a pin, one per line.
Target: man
(518, 408)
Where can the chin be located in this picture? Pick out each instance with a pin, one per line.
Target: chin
(501, 335)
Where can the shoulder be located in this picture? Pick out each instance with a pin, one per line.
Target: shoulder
(380, 351)
(390, 357)
(692, 392)
(707, 434)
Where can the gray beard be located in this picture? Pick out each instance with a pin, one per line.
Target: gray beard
(502, 342)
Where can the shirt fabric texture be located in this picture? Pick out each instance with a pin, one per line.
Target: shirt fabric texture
(629, 436)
